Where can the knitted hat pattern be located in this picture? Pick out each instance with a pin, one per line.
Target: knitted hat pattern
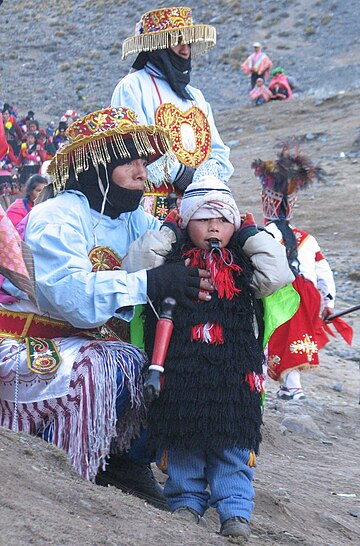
(206, 196)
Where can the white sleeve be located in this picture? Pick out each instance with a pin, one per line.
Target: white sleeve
(325, 282)
(219, 151)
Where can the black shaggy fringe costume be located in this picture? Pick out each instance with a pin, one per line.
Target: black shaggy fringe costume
(205, 401)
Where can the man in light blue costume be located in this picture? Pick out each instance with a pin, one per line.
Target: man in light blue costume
(159, 91)
(67, 370)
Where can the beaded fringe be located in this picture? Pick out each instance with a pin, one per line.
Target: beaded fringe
(97, 152)
(201, 38)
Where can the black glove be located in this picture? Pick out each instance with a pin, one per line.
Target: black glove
(183, 177)
(175, 280)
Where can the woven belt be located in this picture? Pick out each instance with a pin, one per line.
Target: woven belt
(18, 325)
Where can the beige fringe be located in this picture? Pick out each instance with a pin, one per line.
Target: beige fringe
(201, 38)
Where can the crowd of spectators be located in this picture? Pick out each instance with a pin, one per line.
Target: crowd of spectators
(26, 147)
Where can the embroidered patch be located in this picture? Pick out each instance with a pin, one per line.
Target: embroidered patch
(104, 258)
(304, 346)
(274, 362)
(190, 133)
(42, 355)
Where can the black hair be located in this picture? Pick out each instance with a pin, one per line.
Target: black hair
(36, 123)
(32, 182)
(290, 244)
(31, 133)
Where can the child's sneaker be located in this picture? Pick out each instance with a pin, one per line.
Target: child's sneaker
(236, 527)
(189, 514)
(290, 394)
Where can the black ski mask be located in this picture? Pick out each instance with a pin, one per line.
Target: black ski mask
(118, 199)
(176, 69)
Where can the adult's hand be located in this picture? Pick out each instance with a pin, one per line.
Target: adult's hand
(185, 284)
(326, 312)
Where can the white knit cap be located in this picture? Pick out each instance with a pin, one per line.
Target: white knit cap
(208, 197)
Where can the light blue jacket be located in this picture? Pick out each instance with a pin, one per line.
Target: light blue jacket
(137, 91)
(60, 233)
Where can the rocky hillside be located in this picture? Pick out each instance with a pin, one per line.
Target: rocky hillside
(60, 55)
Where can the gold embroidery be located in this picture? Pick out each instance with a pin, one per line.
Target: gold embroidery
(42, 355)
(104, 258)
(304, 346)
(189, 131)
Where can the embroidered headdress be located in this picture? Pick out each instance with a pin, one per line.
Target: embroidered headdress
(92, 136)
(163, 28)
(282, 179)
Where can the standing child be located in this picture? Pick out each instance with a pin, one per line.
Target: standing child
(206, 421)
(29, 159)
(295, 345)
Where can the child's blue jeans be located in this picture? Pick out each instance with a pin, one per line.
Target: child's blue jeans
(226, 471)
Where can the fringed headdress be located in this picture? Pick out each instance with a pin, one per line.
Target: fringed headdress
(93, 136)
(282, 179)
(166, 27)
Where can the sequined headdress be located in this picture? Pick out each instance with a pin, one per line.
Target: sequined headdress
(91, 137)
(282, 179)
(162, 28)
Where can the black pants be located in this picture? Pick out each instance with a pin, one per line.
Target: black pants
(254, 77)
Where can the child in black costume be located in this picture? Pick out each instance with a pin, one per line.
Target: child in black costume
(206, 422)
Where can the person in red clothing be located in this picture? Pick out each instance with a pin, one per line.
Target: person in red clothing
(7, 163)
(30, 158)
(13, 131)
(20, 207)
(294, 346)
(279, 85)
(260, 93)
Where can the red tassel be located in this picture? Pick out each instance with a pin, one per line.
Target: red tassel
(217, 334)
(208, 333)
(220, 265)
(343, 328)
(255, 381)
(250, 379)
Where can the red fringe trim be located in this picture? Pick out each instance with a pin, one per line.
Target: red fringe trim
(210, 332)
(220, 265)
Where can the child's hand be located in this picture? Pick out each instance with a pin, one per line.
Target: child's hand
(247, 228)
(247, 219)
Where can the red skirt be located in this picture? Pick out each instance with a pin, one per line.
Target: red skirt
(296, 343)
